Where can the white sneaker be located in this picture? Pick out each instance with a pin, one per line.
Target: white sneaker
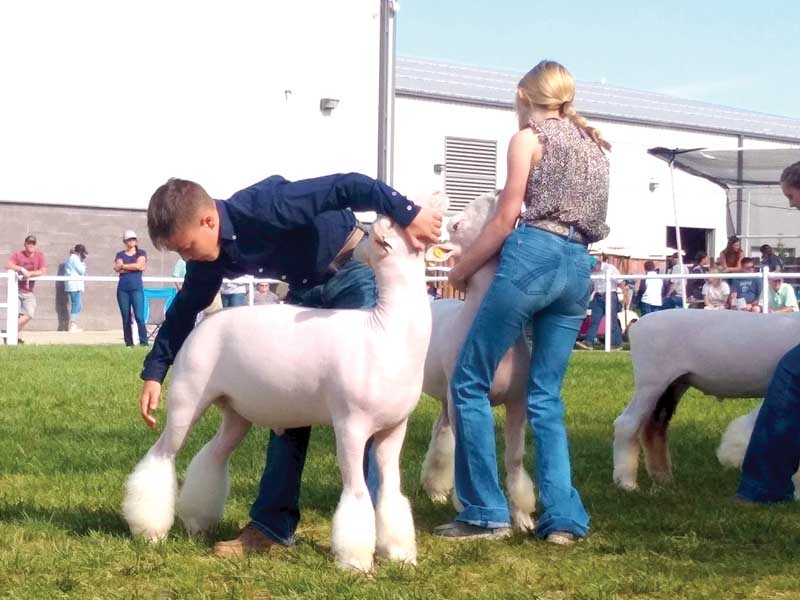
(73, 328)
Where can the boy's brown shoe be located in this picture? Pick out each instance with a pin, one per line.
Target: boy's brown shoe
(249, 541)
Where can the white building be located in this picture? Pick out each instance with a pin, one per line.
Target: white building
(104, 102)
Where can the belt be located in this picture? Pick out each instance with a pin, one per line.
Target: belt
(346, 253)
(568, 232)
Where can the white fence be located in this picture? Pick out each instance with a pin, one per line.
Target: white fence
(11, 305)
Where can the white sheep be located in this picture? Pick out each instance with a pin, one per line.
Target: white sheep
(725, 353)
(451, 322)
(734, 443)
(285, 366)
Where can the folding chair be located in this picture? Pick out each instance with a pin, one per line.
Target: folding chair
(165, 294)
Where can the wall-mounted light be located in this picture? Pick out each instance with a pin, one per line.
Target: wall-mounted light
(653, 185)
(326, 105)
(438, 168)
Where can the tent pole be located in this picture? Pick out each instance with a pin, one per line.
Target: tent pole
(681, 282)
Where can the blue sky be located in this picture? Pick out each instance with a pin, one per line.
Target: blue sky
(736, 53)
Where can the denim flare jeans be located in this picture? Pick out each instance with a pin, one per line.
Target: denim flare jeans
(773, 453)
(542, 278)
(132, 300)
(276, 511)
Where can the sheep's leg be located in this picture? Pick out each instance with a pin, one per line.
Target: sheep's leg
(626, 433)
(205, 487)
(353, 531)
(521, 494)
(394, 523)
(654, 435)
(149, 504)
(438, 472)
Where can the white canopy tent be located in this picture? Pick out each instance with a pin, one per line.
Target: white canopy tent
(737, 169)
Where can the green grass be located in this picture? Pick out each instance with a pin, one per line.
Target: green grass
(70, 434)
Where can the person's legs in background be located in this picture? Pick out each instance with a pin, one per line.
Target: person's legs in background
(124, 302)
(137, 303)
(597, 308)
(75, 307)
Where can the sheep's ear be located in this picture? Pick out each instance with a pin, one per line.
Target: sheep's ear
(439, 201)
(439, 253)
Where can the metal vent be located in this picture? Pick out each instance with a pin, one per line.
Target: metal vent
(470, 170)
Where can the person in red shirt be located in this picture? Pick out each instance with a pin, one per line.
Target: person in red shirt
(28, 263)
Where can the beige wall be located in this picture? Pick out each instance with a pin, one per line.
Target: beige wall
(59, 228)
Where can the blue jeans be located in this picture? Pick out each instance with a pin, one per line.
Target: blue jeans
(598, 308)
(276, 511)
(773, 453)
(544, 278)
(229, 300)
(75, 306)
(645, 308)
(127, 300)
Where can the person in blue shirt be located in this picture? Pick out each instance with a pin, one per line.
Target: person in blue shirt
(130, 264)
(302, 233)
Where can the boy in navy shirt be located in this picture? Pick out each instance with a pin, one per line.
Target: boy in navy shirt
(301, 232)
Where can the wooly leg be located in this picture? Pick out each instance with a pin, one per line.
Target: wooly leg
(734, 442)
(149, 503)
(438, 472)
(353, 531)
(521, 493)
(206, 486)
(626, 436)
(396, 538)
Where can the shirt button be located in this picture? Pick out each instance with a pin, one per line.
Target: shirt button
(394, 193)
(283, 277)
(409, 207)
(305, 280)
(260, 270)
(233, 237)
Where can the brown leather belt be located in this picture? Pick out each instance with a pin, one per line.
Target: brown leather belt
(346, 253)
(566, 231)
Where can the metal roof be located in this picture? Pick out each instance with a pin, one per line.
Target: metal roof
(430, 79)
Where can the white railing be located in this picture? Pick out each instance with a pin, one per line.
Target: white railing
(12, 289)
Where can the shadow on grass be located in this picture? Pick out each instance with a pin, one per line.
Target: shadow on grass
(78, 522)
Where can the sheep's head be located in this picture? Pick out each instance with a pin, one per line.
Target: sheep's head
(464, 229)
(386, 237)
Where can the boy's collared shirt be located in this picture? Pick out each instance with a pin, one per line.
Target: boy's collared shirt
(289, 231)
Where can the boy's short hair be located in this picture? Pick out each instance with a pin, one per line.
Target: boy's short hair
(172, 206)
(765, 248)
(649, 265)
(747, 260)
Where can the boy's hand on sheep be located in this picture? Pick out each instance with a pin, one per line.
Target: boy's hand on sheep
(426, 228)
(456, 279)
(148, 401)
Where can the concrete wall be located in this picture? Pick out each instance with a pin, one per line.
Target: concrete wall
(59, 228)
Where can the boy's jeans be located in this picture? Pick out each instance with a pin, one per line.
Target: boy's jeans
(276, 511)
(545, 278)
(773, 454)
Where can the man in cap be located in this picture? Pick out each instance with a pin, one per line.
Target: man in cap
(28, 263)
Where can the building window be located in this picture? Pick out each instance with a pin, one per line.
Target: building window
(470, 169)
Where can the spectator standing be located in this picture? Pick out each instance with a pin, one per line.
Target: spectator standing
(234, 292)
(28, 263)
(653, 287)
(130, 263)
(597, 306)
(732, 255)
(770, 259)
(746, 293)
(75, 267)
(694, 287)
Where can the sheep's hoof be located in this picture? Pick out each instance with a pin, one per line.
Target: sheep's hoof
(356, 566)
(439, 497)
(627, 484)
(523, 521)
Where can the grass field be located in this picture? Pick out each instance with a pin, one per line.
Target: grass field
(70, 434)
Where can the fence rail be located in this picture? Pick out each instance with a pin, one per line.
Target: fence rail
(11, 305)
